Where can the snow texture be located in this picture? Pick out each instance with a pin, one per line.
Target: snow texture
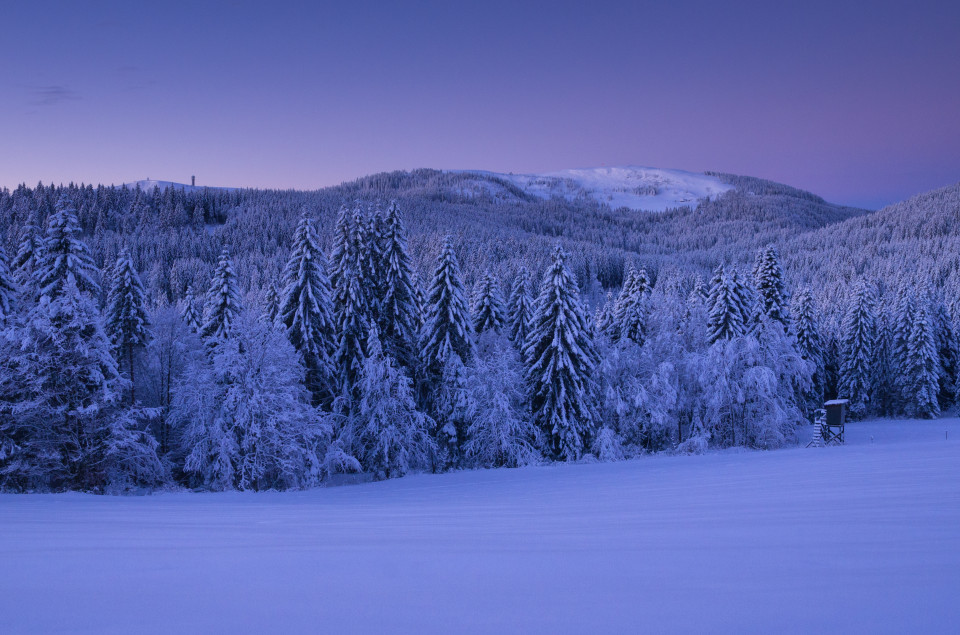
(636, 188)
(860, 538)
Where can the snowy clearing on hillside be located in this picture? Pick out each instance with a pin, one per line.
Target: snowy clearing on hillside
(861, 538)
(636, 188)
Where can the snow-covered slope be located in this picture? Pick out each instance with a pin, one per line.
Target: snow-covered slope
(636, 188)
(854, 539)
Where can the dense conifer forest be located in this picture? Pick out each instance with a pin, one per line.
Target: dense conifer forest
(251, 339)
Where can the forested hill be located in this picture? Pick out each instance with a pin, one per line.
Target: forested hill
(175, 234)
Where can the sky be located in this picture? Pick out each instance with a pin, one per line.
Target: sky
(856, 101)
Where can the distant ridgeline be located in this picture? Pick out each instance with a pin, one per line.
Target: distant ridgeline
(260, 339)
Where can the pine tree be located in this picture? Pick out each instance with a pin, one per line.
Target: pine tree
(352, 315)
(190, 314)
(64, 256)
(8, 290)
(948, 350)
(900, 329)
(223, 301)
(924, 366)
(487, 309)
(399, 307)
(769, 286)
(305, 311)
(857, 349)
(560, 359)
(271, 304)
(447, 328)
(29, 255)
(806, 330)
(127, 323)
(726, 307)
(521, 307)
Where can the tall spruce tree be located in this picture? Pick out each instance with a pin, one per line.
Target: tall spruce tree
(560, 359)
(858, 336)
(223, 301)
(8, 290)
(190, 314)
(726, 307)
(305, 311)
(29, 254)
(924, 366)
(447, 329)
(806, 329)
(488, 310)
(521, 307)
(127, 323)
(769, 285)
(64, 256)
(352, 314)
(399, 310)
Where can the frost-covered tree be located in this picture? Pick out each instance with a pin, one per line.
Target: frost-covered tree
(127, 322)
(243, 416)
(190, 314)
(560, 359)
(306, 311)
(726, 307)
(8, 290)
(64, 256)
(271, 303)
(223, 301)
(29, 255)
(488, 310)
(923, 364)
(352, 315)
(399, 307)
(447, 330)
(521, 307)
(769, 285)
(858, 335)
(388, 435)
(500, 432)
(805, 327)
(62, 425)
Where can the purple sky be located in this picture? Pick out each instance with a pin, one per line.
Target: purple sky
(856, 101)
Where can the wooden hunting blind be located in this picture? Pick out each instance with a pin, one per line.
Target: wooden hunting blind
(829, 423)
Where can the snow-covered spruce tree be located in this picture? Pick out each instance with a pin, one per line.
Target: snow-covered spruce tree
(805, 326)
(560, 359)
(923, 366)
(899, 331)
(487, 305)
(603, 316)
(769, 286)
(190, 314)
(521, 307)
(499, 433)
(726, 308)
(352, 313)
(388, 434)
(447, 330)
(858, 334)
(399, 308)
(305, 309)
(948, 350)
(8, 290)
(629, 310)
(372, 259)
(127, 322)
(223, 301)
(64, 256)
(29, 254)
(271, 303)
(749, 310)
(62, 425)
(243, 417)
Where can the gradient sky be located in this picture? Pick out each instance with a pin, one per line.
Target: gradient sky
(856, 101)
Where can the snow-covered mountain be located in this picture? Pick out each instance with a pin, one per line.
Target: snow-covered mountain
(149, 184)
(636, 188)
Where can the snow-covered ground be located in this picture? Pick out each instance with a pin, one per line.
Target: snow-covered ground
(636, 188)
(861, 538)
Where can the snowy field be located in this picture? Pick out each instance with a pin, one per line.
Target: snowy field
(863, 538)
